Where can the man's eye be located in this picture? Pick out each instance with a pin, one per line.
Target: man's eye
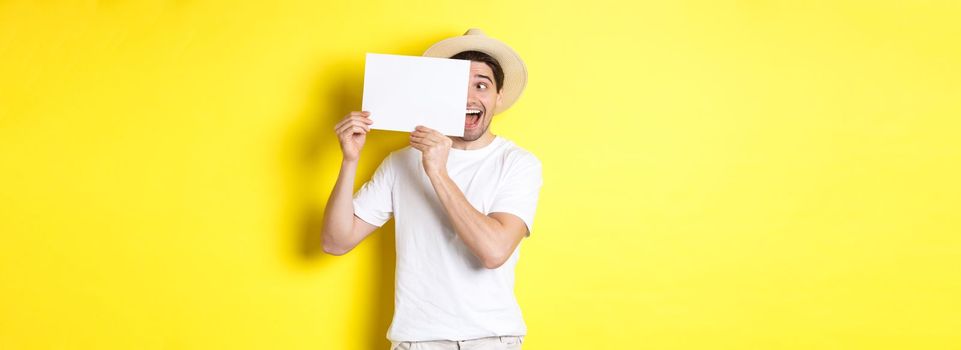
(481, 86)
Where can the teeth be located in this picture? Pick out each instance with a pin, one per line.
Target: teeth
(473, 111)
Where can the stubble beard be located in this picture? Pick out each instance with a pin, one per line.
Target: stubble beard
(467, 137)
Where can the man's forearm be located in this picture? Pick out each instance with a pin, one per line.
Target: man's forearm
(339, 214)
(478, 231)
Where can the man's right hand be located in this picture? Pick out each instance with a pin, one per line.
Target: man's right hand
(352, 132)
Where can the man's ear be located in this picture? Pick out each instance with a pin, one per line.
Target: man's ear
(499, 101)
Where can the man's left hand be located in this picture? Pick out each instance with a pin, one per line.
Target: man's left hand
(434, 148)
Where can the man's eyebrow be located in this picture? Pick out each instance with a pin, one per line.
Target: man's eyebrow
(485, 77)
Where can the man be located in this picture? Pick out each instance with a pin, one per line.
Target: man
(462, 206)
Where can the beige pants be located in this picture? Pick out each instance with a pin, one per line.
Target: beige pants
(489, 343)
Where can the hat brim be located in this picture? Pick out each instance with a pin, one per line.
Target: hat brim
(515, 72)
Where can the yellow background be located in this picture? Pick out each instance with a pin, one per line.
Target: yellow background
(718, 174)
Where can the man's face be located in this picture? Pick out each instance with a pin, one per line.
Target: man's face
(482, 99)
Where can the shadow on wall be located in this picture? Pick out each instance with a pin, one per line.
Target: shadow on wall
(317, 149)
(313, 146)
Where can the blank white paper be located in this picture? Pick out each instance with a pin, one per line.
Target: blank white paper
(401, 92)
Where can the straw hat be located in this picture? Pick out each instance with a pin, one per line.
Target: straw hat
(515, 72)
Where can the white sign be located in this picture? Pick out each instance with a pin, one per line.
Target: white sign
(402, 92)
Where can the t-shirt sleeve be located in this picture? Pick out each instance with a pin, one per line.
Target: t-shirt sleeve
(373, 203)
(520, 189)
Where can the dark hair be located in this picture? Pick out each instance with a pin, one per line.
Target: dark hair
(491, 62)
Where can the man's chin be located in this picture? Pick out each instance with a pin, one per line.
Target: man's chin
(468, 136)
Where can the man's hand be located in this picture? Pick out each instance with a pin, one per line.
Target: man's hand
(434, 148)
(342, 230)
(352, 132)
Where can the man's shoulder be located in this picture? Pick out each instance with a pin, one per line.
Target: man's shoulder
(514, 153)
(400, 153)
(401, 158)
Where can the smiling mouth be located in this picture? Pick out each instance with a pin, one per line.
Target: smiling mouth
(472, 118)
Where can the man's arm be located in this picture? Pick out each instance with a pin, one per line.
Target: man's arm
(343, 230)
(491, 238)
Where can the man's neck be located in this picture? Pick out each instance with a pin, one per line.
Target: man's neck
(484, 140)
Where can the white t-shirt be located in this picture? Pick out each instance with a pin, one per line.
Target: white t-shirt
(442, 291)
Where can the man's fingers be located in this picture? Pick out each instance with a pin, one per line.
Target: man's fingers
(424, 137)
(419, 146)
(343, 129)
(423, 140)
(356, 123)
(342, 122)
(426, 132)
(363, 117)
(423, 130)
(429, 139)
(363, 120)
(352, 128)
(437, 137)
(417, 139)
